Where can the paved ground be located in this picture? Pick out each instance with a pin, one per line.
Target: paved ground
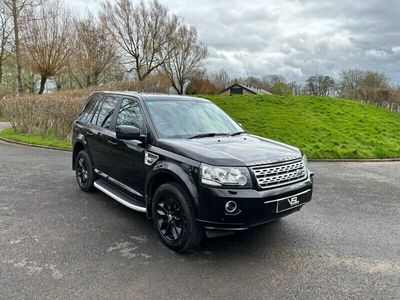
(4, 125)
(57, 242)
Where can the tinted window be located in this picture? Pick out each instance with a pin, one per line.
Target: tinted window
(130, 114)
(104, 115)
(88, 111)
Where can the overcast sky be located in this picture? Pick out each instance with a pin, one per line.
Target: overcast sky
(294, 38)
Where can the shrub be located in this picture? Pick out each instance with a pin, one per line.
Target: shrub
(49, 114)
(281, 88)
(53, 114)
(385, 97)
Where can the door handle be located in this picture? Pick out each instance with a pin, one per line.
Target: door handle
(90, 133)
(112, 143)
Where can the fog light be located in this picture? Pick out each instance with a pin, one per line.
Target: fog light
(230, 206)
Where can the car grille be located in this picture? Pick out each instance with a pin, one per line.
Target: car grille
(269, 176)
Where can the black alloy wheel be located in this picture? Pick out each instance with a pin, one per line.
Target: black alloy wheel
(170, 219)
(174, 218)
(84, 172)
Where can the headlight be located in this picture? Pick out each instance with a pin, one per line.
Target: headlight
(219, 176)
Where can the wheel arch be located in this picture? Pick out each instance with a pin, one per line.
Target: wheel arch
(78, 146)
(170, 172)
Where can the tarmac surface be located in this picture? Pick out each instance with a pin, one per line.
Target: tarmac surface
(57, 242)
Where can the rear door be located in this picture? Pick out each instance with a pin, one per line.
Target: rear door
(127, 157)
(85, 121)
(101, 131)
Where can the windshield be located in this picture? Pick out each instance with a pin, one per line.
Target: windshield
(190, 119)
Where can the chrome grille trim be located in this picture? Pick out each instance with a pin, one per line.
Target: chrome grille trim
(274, 175)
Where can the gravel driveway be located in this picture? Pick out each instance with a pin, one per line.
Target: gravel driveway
(57, 242)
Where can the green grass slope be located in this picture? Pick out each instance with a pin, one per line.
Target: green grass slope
(321, 126)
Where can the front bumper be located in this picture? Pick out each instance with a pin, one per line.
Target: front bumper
(255, 207)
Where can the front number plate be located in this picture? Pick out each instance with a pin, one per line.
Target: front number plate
(289, 203)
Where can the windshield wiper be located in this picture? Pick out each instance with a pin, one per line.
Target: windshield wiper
(210, 134)
(237, 133)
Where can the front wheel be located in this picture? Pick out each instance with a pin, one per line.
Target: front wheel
(84, 171)
(174, 218)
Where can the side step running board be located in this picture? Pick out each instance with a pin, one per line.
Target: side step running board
(119, 196)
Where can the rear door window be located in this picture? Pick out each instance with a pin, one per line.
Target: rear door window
(105, 112)
(88, 112)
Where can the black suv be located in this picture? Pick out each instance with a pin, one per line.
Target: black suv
(186, 164)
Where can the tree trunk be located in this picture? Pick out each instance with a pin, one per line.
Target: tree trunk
(1, 59)
(1, 70)
(15, 14)
(181, 84)
(96, 79)
(42, 84)
(175, 87)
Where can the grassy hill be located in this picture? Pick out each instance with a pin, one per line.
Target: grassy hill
(321, 126)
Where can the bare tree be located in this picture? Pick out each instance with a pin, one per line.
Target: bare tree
(295, 87)
(94, 53)
(143, 31)
(375, 80)
(221, 79)
(268, 81)
(351, 81)
(5, 34)
(47, 40)
(186, 58)
(17, 10)
(29, 79)
(252, 81)
(368, 86)
(319, 85)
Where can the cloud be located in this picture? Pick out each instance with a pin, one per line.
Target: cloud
(294, 38)
(297, 38)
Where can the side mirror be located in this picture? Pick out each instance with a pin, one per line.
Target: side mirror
(125, 132)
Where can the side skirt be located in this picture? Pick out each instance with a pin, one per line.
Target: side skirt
(119, 196)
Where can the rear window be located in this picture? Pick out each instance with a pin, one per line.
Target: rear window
(87, 113)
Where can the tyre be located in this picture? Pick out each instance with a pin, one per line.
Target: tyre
(174, 218)
(84, 172)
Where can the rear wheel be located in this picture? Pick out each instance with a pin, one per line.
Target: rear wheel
(174, 218)
(84, 171)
